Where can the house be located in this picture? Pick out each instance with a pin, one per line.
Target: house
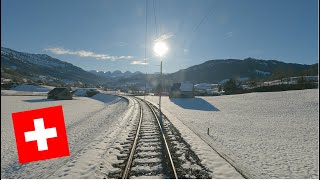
(183, 89)
(6, 81)
(205, 89)
(60, 93)
(85, 92)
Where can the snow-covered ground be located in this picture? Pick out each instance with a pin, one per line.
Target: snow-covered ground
(27, 90)
(32, 88)
(106, 98)
(263, 135)
(22, 93)
(91, 126)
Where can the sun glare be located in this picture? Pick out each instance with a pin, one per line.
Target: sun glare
(160, 48)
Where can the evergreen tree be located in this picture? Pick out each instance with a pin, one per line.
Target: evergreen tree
(231, 86)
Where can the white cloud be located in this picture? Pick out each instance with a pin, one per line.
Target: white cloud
(139, 62)
(164, 37)
(58, 51)
(83, 53)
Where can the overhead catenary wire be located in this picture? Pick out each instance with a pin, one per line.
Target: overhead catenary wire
(155, 18)
(180, 30)
(158, 19)
(184, 38)
(194, 29)
(145, 50)
(203, 19)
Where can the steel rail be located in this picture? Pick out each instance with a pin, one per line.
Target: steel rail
(164, 141)
(133, 148)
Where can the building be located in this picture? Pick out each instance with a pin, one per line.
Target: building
(292, 80)
(205, 89)
(85, 92)
(183, 89)
(60, 93)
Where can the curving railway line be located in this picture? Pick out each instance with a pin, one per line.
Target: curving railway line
(146, 148)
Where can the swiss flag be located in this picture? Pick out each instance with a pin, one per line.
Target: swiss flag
(40, 134)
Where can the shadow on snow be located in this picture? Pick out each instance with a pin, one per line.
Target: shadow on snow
(194, 103)
(38, 100)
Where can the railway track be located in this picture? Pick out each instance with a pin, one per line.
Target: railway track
(149, 154)
(146, 149)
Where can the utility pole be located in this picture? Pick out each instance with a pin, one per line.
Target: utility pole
(160, 48)
(160, 93)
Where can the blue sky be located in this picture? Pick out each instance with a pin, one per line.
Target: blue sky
(110, 35)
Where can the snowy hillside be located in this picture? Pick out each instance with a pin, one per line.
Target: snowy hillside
(264, 135)
(36, 59)
(214, 71)
(21, 65)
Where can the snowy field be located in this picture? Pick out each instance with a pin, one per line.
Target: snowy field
(263, 135)
(91, 125)
(32, 88)
(27, 90)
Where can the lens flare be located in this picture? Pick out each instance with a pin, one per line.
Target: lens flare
(160, 48)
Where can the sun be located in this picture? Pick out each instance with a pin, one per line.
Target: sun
(160, 48)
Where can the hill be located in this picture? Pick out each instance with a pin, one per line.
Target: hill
(21, 66)
(214, 71)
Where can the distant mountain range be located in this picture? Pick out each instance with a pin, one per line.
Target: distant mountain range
(115, 74)
(20, 65)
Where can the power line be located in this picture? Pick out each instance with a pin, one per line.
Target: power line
(203, 19)
(179, 31)
(146, 33)
(155, 18)
(145, 50)
(159, 15)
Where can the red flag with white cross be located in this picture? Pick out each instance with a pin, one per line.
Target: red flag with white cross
(40, 134)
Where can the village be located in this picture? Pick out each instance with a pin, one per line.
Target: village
(243, 85)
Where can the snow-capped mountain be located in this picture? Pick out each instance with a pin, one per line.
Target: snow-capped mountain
(36, 59)
(41, 66)
(115, 74)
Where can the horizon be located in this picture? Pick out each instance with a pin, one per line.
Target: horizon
(156, 72)
(285, 31)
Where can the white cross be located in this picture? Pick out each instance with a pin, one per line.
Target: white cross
(40, 134)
